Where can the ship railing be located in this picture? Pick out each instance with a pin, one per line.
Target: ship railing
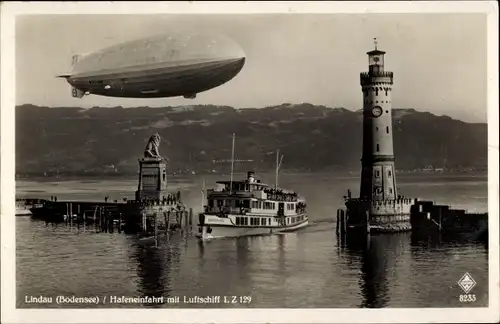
(285, 197)
(400, 200)
(226, 210)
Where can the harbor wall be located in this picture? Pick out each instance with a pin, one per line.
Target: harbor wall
(390, 215)
(427, 216)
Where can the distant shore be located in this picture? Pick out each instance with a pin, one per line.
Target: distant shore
(180, 176)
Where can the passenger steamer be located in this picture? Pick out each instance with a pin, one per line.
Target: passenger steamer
(250, 207)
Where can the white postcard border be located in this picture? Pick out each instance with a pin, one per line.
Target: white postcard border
(12, 315)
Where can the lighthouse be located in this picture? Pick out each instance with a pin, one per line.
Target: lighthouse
(379, 208)
(378, 179)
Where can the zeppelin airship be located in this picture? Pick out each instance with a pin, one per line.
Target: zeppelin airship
(157, 66)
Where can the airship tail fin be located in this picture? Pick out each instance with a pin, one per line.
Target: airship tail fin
(77, 93)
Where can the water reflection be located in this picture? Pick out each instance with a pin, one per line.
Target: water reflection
(378, 255)
(153, 268)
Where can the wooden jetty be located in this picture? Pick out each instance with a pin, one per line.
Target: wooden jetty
(130, 216)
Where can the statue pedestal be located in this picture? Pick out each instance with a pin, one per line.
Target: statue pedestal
(152, 179)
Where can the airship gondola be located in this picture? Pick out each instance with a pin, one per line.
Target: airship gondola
(157, 66)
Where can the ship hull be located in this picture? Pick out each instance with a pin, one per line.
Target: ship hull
(226, 229)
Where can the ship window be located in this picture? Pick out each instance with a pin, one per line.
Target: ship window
(237, 221)
(245, 220)
(269, 221)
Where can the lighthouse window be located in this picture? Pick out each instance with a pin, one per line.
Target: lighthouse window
(376, 92)
(376, 128)
(387, 129)
(377, 173)
(378, 147)
(390, 190)
(390, 173)
(386, 92)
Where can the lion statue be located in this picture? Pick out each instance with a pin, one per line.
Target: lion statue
(151, 150)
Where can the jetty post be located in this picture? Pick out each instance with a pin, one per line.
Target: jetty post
(111, 223)
(100, 219)
(168, 222)
(156, 229)
(180, 216)
(186, 221)
(165, 221)
(191, 219)
(144, 222)
(337, 228)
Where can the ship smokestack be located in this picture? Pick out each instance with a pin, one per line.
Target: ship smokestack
(251, 178)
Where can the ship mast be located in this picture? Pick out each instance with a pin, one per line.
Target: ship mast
(278, 164)
(203, 196)
(232, 168)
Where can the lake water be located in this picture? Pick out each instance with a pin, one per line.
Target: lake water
(307, 268)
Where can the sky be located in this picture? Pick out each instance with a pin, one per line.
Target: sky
(438, 60)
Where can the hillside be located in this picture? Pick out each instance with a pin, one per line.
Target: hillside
(312, 138)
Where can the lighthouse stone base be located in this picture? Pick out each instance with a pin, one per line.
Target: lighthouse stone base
(383, 216)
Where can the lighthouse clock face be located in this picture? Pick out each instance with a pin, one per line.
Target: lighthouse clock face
(376, 111)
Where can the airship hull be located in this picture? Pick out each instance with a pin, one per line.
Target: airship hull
(160, 81)
(158, 66)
